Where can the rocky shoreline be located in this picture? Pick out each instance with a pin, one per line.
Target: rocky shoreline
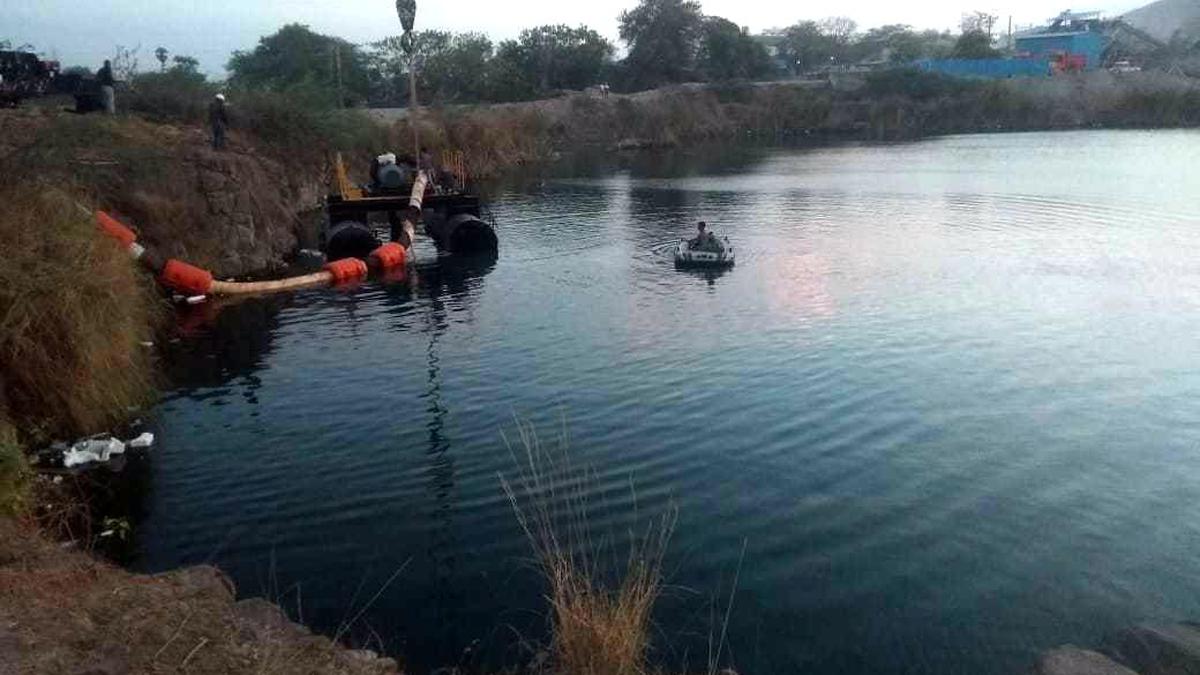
(65, 611)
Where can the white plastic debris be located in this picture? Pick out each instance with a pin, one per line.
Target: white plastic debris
(145, 440)
(92, 450)
(146, 343)
(73, 458)
(196, 299)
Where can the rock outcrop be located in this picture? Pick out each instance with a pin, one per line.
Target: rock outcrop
(1146, 649)
(63, 611)
(1071, 660)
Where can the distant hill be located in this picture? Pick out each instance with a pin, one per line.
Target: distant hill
(1164, 18)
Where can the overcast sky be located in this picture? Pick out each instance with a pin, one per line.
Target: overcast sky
(86, 31)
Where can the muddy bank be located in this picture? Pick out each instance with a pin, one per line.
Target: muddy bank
(233, 212)
(63, 611)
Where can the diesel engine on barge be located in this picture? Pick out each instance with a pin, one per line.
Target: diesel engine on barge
(452, 216)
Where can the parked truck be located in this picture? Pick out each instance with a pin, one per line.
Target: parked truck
(23, 75)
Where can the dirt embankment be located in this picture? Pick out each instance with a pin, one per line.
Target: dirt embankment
(63, 611)
(233, 212)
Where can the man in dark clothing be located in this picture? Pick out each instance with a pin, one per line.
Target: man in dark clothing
(108, 93)
(704, 240)
(218, 118)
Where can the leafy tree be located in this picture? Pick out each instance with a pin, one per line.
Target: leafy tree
(978, 22)
(295, 57)
(663, 38)
(840, 32)
(546, 59)
(564, 58)
(805, 46)
(975, 45)
(186, 64)
(899, 43)
(509, 77)
(727, 52)
(451, 67)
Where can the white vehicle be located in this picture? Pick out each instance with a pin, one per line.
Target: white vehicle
(686, 256)
(1124, 67)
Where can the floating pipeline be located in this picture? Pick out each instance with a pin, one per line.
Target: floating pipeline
(190, 280)
(187, 279)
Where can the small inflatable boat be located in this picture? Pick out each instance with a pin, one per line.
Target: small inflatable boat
(722, 256)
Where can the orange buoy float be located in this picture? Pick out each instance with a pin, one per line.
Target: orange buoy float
(389, 255)
(186, 279)
(115, 229)
(346, 270)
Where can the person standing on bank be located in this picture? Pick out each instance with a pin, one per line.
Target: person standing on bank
(218, 118)
(108, 94)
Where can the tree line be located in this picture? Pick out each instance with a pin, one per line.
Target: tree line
(667, 41)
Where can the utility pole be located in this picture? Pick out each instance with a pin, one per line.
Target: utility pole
(407, 11)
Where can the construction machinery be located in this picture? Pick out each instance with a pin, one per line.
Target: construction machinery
(451, 215)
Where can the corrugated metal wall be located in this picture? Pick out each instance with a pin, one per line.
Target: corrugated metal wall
(1088, 45)
(987, 68)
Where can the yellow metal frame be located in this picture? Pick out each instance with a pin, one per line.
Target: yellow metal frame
(342, 184)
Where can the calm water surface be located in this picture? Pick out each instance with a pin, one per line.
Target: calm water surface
(948, 398)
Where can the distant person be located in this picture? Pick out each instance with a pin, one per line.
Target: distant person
(108, 92)
(218, 119)
(426, 164)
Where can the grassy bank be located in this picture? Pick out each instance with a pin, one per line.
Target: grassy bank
(74, 312)
(891, 105)
(75, 315)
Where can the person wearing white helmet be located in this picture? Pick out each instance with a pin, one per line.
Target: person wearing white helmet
(218, 119)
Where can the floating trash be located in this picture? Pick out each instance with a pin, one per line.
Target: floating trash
(145, 440)
(99, 449)
(92, 450)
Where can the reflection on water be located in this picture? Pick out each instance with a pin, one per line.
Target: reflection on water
(946, 397)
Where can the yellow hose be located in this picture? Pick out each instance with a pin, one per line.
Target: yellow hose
(251, 287)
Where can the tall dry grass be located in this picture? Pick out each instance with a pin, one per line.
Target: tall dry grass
(74, 312)
(601, 601)
(14, 473)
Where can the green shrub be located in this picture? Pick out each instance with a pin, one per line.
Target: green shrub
(175, 95)
(915, 84)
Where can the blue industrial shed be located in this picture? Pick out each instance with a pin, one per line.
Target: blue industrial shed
(1074, 40)
(1087, 44)
(986, 68)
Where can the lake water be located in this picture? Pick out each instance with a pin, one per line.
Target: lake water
(948, 399)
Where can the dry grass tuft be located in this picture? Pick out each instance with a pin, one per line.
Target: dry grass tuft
(73, 313)
(599, 628)
(14, 473)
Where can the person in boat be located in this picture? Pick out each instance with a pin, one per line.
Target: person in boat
(704, 240)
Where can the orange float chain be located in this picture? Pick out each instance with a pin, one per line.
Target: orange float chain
(389, 255)
(115, 229)
(186, 279)
(346, 270)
